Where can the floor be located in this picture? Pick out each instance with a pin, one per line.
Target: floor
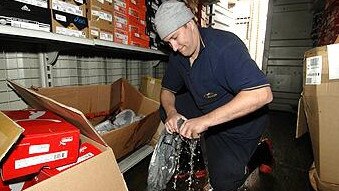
(293, 157)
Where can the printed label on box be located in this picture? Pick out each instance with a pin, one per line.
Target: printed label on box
(66, 7)
(106, 36)
(94, 32)
(43, 148)
(333, 57)
(110, 1)
(70, 32)
(23, 23)
(101, 1)
(38, 3)
(60, 18)
(31, 161)
(120, 4)
(102, 15)
(80, 159)
(313, 70)
(80, 1)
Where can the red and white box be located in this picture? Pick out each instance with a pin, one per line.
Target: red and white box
(17, 186)
(48, 141)
(86, 152)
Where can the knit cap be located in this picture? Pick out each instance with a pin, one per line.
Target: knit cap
(170, 16)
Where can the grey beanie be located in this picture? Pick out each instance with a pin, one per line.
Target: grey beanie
(170, 16)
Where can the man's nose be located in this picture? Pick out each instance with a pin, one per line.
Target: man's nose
(174, 45)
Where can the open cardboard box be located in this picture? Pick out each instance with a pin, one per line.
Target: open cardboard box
(100, 100)
(98, 173)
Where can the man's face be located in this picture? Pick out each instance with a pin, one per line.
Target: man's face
(181, 40)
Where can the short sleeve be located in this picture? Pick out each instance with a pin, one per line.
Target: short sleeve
(236, 70)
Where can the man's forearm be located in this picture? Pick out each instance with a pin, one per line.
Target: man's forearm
(168, 101)
(242, 104)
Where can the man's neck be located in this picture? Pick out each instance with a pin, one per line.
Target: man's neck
(196, 52)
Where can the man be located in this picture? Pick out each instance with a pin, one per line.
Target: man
(223, 82)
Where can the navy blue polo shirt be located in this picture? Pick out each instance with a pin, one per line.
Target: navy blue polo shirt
(222, 69)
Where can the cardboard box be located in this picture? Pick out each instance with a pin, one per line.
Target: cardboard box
(120, 21)
(320, 99)
(38, 3)
(101, 172)
(23, 15)
(104, 4)
(48, 141)
(17, 185)
(68, 24)
(151, 87)
(319, 185)
(120, 36)
(96, 99)
(86, 151)
(100, 16)
(120, 6)
(100, 32)
(74, 7)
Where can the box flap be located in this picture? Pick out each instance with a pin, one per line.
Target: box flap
(301, 120)
(72, 115)
(9, 134)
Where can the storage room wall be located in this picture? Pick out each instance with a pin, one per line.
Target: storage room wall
(24, 68)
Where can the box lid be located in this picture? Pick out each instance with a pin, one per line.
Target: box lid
(71, 114)
(9, 134)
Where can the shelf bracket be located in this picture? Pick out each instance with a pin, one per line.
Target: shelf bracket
(52, 57)
(152, 65)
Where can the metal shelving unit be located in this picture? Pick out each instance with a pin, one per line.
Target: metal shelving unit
(48, 37)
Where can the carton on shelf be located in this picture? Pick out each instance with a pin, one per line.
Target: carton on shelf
(99, 100)
(74, 7)
(85, 176)
(319, 108)
(69, 25)
(23, 15)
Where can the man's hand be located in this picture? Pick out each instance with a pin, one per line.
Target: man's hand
(192, 128)
(171, 122)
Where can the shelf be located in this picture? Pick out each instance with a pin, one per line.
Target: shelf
(135, 158)
(49, 38)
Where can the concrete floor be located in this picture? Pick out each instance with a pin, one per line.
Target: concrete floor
(293, 157)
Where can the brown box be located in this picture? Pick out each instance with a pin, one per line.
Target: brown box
(98, 173)
(74, 7)
(320, 104)
(100, 16)
(104, 4)
(104, 99)
(151, 87)
(101, 32)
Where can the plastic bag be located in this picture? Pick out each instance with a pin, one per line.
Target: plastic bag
(164, 161)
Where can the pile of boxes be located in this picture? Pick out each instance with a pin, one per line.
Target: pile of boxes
(40, 150)
(121, 21)
(318, 109)
(326, 24)
(152, 7)
(48, 146)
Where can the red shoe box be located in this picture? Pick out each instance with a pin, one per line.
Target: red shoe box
(86, 152)
(120, 36)
(48, 141)
(120, 6)
(120, 21)
(17, 186)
